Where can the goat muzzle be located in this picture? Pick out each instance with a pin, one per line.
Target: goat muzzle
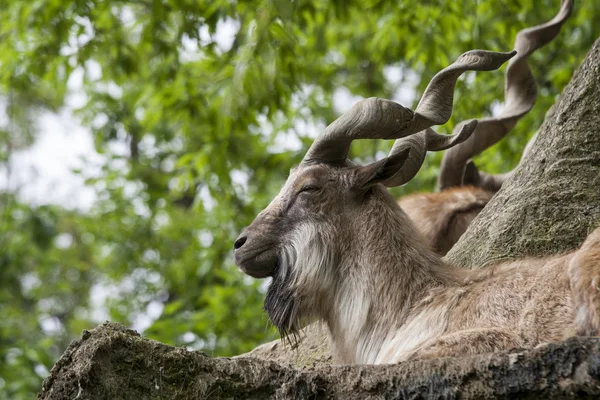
(254, 257)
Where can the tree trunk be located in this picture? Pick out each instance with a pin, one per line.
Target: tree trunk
(552, 202)
(548, 207)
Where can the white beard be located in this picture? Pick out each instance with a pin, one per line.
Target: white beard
(305, 274)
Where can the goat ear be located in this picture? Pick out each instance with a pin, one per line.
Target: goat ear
(471, 175)
(380, 171)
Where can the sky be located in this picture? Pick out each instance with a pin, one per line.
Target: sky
(43, 173)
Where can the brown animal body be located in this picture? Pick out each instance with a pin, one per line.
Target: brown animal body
(444, 216)
(340, 250)
(345, 253)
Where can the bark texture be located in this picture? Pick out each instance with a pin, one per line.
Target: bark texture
(548, 207)
(552, 202)
(112, 362)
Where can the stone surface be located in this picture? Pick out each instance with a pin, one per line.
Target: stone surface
(112, 362)
(311, 350)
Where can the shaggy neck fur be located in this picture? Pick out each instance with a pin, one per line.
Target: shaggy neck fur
(390, 269)
(363, 283)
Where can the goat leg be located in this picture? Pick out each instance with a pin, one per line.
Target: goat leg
(584, 275)
(468, 342)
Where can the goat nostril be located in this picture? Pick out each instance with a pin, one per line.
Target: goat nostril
(239, 242)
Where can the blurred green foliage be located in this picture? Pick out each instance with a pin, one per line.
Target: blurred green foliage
(201, 94)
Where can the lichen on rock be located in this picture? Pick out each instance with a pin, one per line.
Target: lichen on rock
(113, 362)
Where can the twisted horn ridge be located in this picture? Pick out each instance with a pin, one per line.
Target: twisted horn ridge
(520, 93)
(435, 108)
(375, 118)
(418, 145)
(492, 182)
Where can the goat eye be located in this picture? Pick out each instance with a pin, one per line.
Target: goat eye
(309, 189)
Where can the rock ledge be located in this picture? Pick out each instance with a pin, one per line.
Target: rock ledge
(113, 362)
